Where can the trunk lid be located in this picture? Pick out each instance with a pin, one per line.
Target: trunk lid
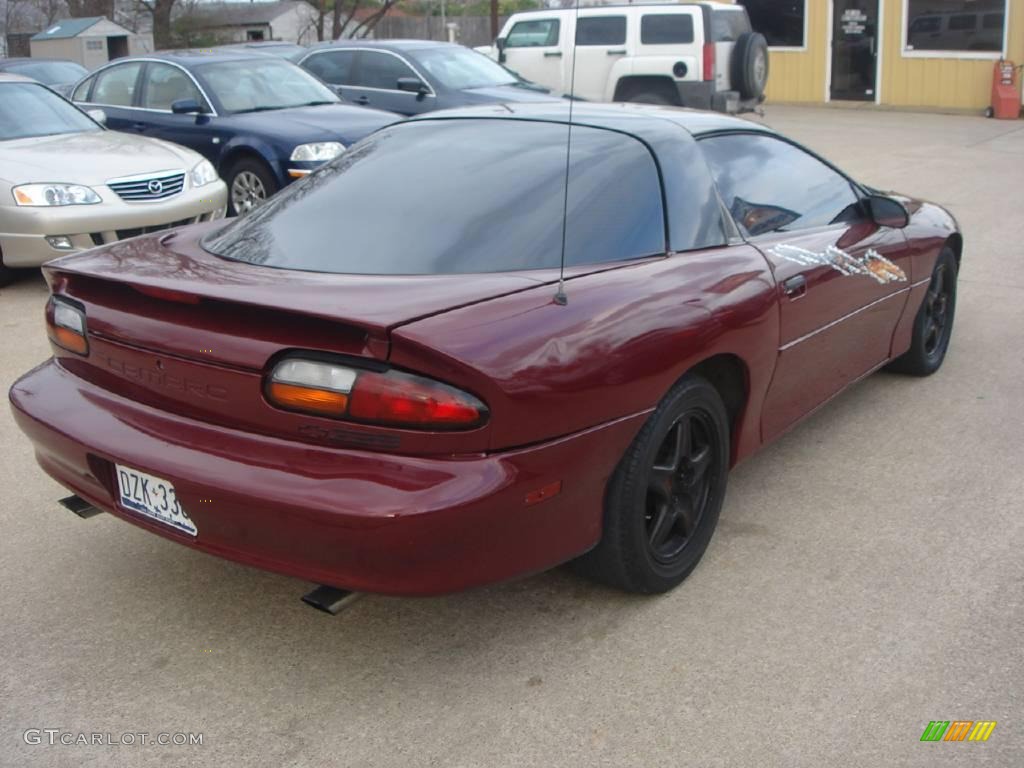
(174, 327)
(240, 314)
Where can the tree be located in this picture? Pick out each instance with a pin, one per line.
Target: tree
(161, 13)
(80, 8)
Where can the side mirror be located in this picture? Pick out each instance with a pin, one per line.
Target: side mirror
(499, 44)
(186, 107)
(887, 212)
(98, 115)
(413, 85)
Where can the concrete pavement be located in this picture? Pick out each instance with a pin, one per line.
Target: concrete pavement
(866, 578)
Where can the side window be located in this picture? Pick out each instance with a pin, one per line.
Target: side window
(964, 21)
(116, 86)
(601, 30)
(533, 34)
(334, 67)
(82, 91)
(770, 185)
(165, 85)
(381, 70)
(666, 28)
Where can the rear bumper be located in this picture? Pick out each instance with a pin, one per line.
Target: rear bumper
(358, 520)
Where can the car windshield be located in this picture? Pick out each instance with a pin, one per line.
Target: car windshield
(29, 109)
(411, 200)
(258, 85)
(50, 72)
(461, 68)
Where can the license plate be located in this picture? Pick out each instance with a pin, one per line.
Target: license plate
(153, 497)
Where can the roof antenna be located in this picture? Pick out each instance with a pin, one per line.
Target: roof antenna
(560, 296)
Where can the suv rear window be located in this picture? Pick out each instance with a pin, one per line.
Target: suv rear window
(666, 28)
(727, 26)
(456, 196)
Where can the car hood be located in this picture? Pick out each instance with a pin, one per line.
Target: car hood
(503, 93)
(327, 122)
(89, 158)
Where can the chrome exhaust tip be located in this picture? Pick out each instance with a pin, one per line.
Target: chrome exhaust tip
(330, 599)
(80, 507)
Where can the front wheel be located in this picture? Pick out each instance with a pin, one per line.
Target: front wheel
(664, 499)
(250, 183)
(933, 325)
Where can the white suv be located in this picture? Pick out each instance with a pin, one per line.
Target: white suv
(701, 55)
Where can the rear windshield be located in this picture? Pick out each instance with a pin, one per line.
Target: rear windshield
(456, 196)
(727, 26)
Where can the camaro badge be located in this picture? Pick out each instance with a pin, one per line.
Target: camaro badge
(872, 263)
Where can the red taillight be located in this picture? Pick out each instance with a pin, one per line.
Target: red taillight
(65, 325)
(401, 400)
(709, 61)
(385, 398)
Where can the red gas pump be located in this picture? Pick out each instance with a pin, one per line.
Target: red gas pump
(1005, 91)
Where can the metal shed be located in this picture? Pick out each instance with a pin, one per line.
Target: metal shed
(91, 41)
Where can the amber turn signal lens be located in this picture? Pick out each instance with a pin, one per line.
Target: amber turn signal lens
(69, 340)
(308, 399)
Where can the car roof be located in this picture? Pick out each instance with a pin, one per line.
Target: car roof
(387, 45)
(641, 120)
(188, 56)
(22, 59)
(10, 77)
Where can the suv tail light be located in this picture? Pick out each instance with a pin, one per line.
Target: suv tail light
(709, 61)
(384, 398)
(65, 325)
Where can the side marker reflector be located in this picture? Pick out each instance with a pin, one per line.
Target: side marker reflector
(544, 493)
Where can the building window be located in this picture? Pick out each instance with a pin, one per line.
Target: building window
(971, 26)
(782, 22)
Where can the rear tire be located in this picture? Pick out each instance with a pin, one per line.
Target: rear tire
(933, 325)
(7, 275)
(650, 97)
(663, 502)
(250, 184)
(749, 66)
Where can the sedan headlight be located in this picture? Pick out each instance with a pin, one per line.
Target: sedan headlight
(321, 151)
(55, 194)
(203, 174)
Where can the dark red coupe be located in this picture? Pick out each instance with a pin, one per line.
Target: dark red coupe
(372, 381)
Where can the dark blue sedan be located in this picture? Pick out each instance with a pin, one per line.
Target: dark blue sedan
(261, 121)
(415, 76)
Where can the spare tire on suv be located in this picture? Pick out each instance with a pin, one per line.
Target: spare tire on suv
(750, 65)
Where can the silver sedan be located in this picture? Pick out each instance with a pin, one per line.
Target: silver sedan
(68, 184)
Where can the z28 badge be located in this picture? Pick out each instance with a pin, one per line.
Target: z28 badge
(872, 263)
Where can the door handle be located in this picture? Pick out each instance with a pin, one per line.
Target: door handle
(361, 100)
(795, 287)
(138, 127)
(617, 52)
(553, 54)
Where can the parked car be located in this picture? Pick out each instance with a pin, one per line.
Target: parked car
(702, 55)
(415, 76)
(375, 381)
(279, 48)
(67, 184)
(261, 121)
(59, 74)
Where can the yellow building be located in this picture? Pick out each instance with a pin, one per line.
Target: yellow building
(903, 53)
